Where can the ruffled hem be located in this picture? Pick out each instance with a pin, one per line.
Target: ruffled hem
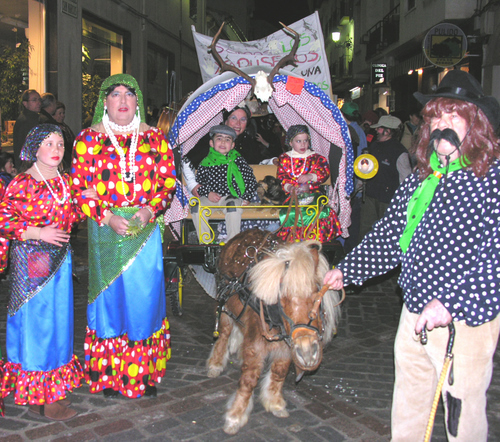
(329, 229)
(40, 387)
(126, 366)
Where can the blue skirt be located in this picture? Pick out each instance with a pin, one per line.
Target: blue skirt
(134, 303)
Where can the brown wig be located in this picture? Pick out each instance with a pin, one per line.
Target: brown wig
(480, 145)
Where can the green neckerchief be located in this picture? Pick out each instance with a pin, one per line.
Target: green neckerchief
(423, 196)
(215, 158)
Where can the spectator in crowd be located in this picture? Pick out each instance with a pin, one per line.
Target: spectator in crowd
(31, 105)
(368, 119)
(49, 105)
(394, 167)
(409, 133)
(7, 169)
(351, 113)
(443, 228)
(69, 136)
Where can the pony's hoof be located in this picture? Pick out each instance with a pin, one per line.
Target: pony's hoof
(232, 425)
(214, 372)
(281, 413)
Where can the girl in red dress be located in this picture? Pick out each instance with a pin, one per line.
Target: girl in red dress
(301, 170)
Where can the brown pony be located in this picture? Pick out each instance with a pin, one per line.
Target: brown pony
(281, 280)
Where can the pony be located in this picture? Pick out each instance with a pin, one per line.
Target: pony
(270, 309)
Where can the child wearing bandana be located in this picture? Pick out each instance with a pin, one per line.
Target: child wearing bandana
(225, 179)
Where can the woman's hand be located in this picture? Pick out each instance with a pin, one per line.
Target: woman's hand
(118, 224)
(302, 179)
(214, 197)
(144, 215)
(261, 140)
(53, 235)
(335, 279)
(90, 193)
(245, 203)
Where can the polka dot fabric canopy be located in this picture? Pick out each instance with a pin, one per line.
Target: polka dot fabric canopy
(303, 104)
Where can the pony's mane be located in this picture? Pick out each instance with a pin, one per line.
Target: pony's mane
(291, 271)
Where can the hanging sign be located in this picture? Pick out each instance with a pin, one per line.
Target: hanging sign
(445, 45)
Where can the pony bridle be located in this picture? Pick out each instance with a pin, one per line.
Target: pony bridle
(288, 337)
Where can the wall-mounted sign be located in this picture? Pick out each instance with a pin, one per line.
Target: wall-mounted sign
(445, 45)
(379, 73)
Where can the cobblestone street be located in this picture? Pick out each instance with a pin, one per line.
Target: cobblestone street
(347, 399)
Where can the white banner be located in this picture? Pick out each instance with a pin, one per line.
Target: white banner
(312, 64)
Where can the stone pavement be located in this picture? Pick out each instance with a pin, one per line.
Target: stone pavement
(347, 399)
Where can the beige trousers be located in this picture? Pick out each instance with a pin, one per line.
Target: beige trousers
(418, 368)
(232, 215)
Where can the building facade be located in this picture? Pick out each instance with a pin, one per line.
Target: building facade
(379, 59)
(75, 44)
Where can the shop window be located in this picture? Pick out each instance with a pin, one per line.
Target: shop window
(161, 86)
(105, 51)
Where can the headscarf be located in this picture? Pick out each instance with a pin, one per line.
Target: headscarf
(293, 131)
(35, 137)
(125, 79)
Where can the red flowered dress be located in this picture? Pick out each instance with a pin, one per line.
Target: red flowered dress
(128, 340)
(41, 365)
(291, 166)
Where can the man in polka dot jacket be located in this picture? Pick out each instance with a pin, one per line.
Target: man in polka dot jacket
(225, 179)
(443, 228)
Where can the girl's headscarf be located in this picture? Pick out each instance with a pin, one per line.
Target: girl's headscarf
(293, 131)
(35, 137)
(125, 79)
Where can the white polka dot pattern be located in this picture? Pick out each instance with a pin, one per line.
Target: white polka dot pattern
(454, 255)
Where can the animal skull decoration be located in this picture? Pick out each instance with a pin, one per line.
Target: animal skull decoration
(262, 84)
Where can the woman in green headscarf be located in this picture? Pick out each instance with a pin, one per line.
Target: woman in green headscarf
(131, 167)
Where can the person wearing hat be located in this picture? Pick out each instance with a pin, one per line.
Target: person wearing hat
(368, 119)
(351, 113)
(443, 229)
(225, 179)
(246, 144)
(394, 167)
(131, 166)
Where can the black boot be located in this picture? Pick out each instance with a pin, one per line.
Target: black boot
(150, 391)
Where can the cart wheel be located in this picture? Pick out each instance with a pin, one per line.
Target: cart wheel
(176, 295)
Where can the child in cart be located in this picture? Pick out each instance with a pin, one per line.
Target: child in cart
(225, 179)
(302, 171)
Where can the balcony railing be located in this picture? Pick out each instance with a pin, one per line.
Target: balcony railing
(382, 34)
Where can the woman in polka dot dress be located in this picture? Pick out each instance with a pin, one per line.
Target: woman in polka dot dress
(131, 167)
(303, 171)
(443, 228)
(36, 215)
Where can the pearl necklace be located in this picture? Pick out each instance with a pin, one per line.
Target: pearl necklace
(302, 170)
(125, 176)
(124, 129)
(64, 186)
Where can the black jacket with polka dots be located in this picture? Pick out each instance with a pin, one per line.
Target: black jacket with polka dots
(214, 179)
(454, 254)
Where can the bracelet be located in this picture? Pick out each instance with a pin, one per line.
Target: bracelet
(150, 211)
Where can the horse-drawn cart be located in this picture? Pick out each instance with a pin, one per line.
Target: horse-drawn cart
(293, 101)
